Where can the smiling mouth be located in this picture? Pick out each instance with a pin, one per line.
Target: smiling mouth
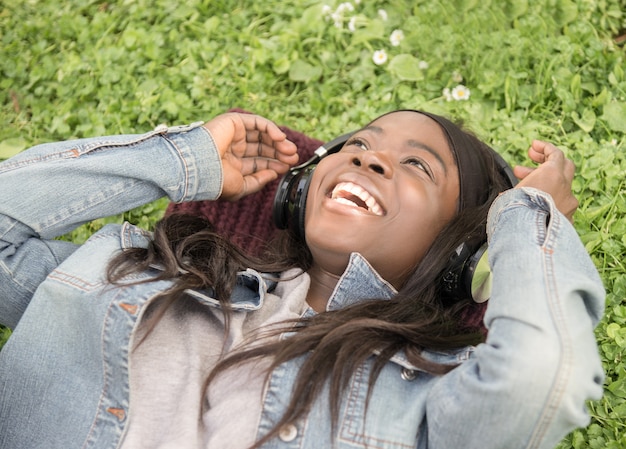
(354, 195)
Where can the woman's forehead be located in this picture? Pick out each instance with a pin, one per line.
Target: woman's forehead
(409, 121)
(412, 126)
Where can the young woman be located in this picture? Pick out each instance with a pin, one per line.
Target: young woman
(180, 340)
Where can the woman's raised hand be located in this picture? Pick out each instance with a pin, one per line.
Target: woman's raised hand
(554, 176)
(254, 152)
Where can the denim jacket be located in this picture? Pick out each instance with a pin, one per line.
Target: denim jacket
(64, 371)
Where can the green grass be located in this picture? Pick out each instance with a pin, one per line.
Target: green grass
(548, 69)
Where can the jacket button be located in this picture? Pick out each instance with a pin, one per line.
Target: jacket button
(288, 433)
(408, 374)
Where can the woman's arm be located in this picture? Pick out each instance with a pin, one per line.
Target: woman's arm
(526, 386)
(53, 188)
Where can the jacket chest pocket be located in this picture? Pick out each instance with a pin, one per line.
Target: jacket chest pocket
(394, 415)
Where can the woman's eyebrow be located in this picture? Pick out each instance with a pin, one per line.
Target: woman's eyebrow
(419, 145)
(413, 144)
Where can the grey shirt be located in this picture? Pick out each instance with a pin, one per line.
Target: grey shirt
(172, 357)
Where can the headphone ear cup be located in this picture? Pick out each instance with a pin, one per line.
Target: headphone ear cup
(290, 200)
(280, 207)
(468, 274)
(477, 275)
(300, 193)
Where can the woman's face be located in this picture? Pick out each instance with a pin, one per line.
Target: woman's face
(386, 195)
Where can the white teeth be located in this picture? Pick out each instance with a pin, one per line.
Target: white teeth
(342, 192)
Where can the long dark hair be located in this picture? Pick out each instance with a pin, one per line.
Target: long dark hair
(335, 343)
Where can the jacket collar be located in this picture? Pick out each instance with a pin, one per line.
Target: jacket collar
(359, 282)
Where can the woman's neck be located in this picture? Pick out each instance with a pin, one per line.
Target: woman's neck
(322, 285)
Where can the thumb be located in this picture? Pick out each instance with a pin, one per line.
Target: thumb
(521, 172)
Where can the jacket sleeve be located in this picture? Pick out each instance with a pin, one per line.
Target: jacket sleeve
(526, 386)
(52, 188)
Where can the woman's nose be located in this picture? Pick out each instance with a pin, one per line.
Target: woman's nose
(375, 161)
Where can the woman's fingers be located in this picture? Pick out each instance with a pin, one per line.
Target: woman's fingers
(554, 175)
(521, 172)
(254, 151)
(259, 138)
(248, 134)
(250, 165)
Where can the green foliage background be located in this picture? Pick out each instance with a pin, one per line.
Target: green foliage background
(549, 69)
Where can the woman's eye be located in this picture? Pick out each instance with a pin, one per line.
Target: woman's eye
(418, 163)
(355, 141)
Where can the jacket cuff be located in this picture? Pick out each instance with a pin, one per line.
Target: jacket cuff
(527, 197)
(200, 158)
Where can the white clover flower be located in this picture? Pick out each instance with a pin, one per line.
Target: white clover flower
(614, 142)
(383, 14)
(460, 92)
(337, 19)
(343, 7)
(457, 77)
(380, 57)
(357, 2)
(447, 94)
(352, 24)
(326, 11)
(423, 65)
(396, 37)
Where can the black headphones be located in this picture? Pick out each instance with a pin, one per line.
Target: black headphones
(468, 273)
